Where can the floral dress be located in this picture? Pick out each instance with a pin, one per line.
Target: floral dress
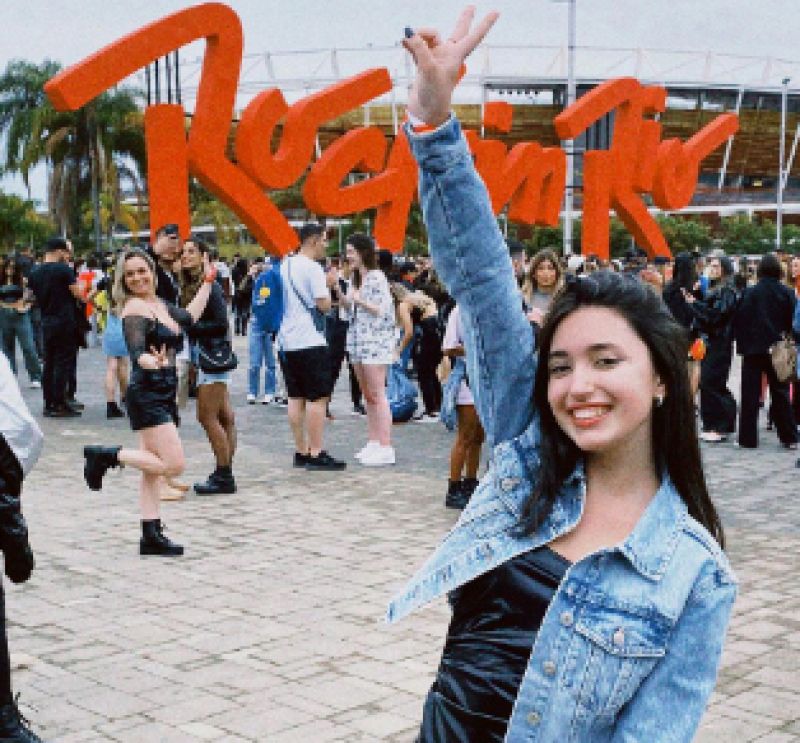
(371, 338)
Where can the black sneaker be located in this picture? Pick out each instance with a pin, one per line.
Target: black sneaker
(113, 410)
(216, 484)
(324, 461)
(62, 411)
(359, 409)
(75, 404)
(300, 460)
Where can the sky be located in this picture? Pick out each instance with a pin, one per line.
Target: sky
(69, 30)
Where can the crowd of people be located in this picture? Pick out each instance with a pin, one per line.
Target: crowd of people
(310, 316)
(590, 381)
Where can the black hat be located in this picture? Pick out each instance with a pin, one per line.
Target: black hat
(170, 230)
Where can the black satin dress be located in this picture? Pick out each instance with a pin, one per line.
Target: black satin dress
(495, 620)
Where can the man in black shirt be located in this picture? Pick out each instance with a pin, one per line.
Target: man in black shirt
(56, 290)
(164, 252)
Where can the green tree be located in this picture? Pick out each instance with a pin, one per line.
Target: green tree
(89, 152)
(19, 222)
(741, 235)
(685, 234)
(207, 209)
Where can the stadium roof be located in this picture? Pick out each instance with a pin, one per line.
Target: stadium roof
(299, 72)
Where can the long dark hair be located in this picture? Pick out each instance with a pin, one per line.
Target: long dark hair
(16, 275)
(675, 446)
(365, 247)
(684, 274)
(191, 279)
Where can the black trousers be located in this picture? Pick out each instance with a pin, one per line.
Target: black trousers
(753, 366)
(429, 384)
(6, 696)
(428, 356)
(241, 316)
(336, 335)
(60, 358)
(717, 404)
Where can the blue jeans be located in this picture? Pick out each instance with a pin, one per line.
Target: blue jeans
(260, 352)
(17, 326)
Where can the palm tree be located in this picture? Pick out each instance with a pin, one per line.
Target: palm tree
(23, 104)
(89, 152)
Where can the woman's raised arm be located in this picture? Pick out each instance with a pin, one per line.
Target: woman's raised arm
(468, 250)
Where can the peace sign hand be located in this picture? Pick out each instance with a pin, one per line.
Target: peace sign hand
(159, 356)
(439, 65)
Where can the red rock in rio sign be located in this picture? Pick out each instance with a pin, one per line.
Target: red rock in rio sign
(529, 179)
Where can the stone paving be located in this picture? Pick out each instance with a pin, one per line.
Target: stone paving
(270, 628)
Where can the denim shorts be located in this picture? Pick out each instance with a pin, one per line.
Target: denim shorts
(204, 377)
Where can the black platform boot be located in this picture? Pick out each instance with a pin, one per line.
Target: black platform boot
(153, 541)
(99, 459)
(219, 482)
(469, 484)
(14, 727)
(456, 497)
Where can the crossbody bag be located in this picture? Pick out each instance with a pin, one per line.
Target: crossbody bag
(317, 317)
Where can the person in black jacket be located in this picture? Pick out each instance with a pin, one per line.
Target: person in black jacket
(679, 295)
(164, 252)
(716, 310)
(211, 337)
(20, 445)
(764, 314)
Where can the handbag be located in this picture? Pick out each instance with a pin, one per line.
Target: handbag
(317, 317)
(783, 354)
(216, 355)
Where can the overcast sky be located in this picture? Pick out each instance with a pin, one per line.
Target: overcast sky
(69, 30)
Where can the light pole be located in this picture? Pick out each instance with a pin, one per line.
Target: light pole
(781, 172)
(569, 145)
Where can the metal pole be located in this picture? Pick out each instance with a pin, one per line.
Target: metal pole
(177, 78)
(569, 196)
(781, 155)
(168, 70)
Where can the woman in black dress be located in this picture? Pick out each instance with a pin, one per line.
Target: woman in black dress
(153, 335)
(717, 404)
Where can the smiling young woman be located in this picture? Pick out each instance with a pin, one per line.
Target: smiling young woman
(589, 589)
(152, 329)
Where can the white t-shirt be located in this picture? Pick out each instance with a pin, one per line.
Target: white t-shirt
(454, 338)
(297, 327)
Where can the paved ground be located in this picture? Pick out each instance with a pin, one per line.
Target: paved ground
(270, 628)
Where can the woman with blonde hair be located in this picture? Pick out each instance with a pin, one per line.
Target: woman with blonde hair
(544, 279)
(152, 329)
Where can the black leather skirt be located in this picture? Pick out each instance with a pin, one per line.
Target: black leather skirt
(151, 398)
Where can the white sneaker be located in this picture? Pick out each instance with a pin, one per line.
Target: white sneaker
(251, 399)
(267, 399)
(378, 456)
(369, 446)
(35, 384)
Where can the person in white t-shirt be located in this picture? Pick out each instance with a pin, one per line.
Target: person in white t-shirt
(305, 360)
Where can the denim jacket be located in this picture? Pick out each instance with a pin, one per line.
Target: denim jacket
(630, 645)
